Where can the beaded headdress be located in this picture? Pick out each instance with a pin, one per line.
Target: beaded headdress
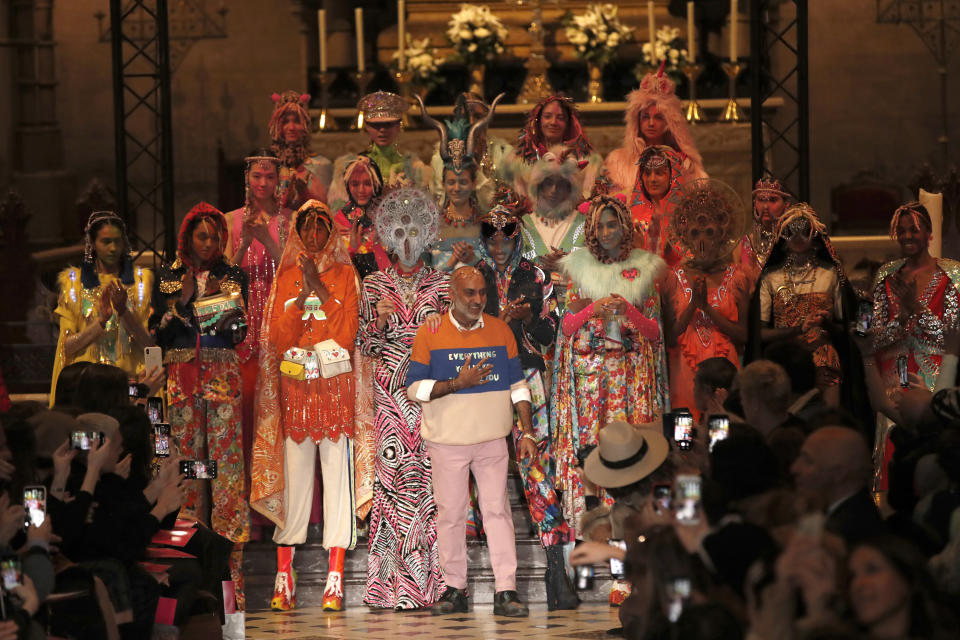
(407, 221)
(289, 101)
(772, 185)
(703, 204)
(95, 219)
(458, 138)
(382, 106)
(260, 157)
(915, 209)
(505, 215)
(800, 218)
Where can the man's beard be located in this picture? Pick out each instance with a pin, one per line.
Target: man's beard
(291, 154)
(557, 211)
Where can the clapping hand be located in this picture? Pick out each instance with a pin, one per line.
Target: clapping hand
(118, 298)
(906, 293)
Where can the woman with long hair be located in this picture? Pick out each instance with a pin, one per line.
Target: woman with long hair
(654, 117)
(105, 303)
(356, 188)
(804, 295)
(553, 123)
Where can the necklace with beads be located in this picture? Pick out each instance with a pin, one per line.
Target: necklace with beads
(408, 284)
(455, 219)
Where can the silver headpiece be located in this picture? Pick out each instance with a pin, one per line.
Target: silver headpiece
(407, 222)
(101, 216)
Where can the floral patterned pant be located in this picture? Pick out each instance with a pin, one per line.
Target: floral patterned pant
(204, 412)
(537, 473)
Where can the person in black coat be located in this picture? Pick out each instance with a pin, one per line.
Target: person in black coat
(834, 467)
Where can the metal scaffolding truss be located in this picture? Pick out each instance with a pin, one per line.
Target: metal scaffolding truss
(143, 135)
(778, 63)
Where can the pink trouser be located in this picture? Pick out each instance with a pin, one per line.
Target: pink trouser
(452, 465)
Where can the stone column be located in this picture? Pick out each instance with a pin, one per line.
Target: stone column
(38, 169)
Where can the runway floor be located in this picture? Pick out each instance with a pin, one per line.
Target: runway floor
(590, 621)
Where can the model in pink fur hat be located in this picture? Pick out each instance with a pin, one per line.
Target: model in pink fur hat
(654, 116)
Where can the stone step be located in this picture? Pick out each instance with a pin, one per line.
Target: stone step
(311, 564)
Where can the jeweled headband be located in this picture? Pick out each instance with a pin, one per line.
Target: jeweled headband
(652, 158)
(96, 217)
(770, 186)
(500, 219)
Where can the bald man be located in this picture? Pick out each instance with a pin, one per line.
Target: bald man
(835, 467)
(467, 377)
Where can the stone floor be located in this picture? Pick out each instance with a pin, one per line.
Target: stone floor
(590, 621)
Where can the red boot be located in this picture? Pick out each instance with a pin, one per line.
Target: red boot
(285, 586)
(333, 594)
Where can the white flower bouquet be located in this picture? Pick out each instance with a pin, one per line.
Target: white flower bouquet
(476, 34)
(421, 62)
(597, 33)
(667, 47)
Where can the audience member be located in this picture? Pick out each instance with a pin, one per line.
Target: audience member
(765, 397)
(834, 467)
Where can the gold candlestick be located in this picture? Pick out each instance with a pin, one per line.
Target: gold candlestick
(403, 79)
(536, 85)
(732, 112)
(693, 114)
(362, 80)
(325, 122)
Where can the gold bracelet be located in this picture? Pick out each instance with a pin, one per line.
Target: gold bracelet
(453, 385)
(529, 436)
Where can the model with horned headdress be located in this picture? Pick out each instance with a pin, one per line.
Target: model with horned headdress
(489, 152)
(104, 304)
(459, 230)
(303, 175)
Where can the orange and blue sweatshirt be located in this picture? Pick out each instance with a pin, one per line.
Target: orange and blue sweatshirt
(470, 416)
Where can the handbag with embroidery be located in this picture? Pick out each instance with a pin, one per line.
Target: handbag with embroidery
(222, 314)
(334, 359)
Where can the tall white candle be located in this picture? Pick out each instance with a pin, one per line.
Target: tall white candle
(733, 30)
(358, 18)
(652, 26)
(402, 34)
(691, 35)
(322, 26)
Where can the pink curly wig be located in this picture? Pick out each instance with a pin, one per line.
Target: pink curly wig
(655, 89)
